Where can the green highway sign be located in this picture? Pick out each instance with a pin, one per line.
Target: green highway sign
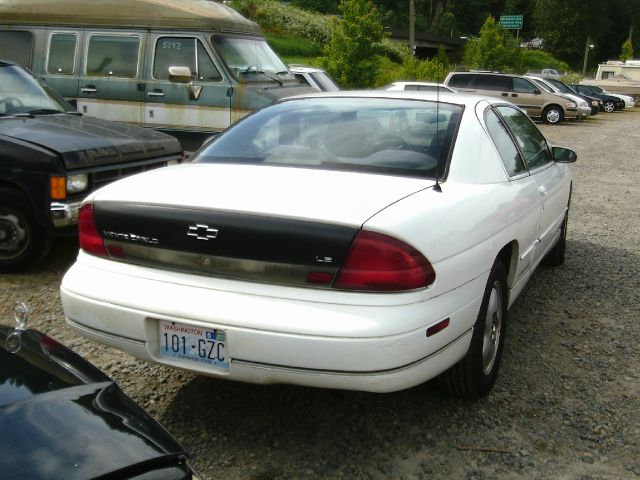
(512, 22)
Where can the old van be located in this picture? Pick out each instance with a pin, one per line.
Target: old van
(186, 67)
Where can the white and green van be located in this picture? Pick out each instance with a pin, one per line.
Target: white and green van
(186, 67)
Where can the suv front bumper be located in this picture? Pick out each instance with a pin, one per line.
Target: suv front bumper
(64, 214)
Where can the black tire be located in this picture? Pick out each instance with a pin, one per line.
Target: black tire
(473, 376)
(556, 255)
(553, 114)
(609, 106)
(22, 241)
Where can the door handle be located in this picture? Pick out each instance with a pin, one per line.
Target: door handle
(88, 89)
(156, 93)
(514, 94)
(542, 189)
(505, 94)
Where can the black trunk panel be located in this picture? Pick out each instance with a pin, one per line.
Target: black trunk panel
(242, 236)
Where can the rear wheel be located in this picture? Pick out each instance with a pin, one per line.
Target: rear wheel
(552, 114)
(609, 106)
(474, 375)
(22, 241)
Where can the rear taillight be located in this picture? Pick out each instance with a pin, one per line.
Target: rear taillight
(90, 239)
(377, 262)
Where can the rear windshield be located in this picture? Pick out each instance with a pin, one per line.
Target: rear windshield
(399, 137)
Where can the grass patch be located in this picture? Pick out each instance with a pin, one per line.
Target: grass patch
(294, 47)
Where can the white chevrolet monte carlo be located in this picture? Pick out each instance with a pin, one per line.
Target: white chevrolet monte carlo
(354, 240)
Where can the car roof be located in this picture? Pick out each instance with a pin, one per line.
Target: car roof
(462, 99)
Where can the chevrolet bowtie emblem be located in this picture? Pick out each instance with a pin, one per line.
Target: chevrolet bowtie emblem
(202, 232)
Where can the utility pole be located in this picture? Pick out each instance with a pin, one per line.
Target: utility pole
(412, 27)
(587, 46)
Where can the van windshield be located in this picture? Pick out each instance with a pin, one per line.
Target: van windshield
(250, 59)
(23, 94)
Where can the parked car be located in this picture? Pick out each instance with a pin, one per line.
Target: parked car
(51, 157)
(549, 107)
(354, 240)
(417, 87)
(595, 103)
(584, 109)
(609, 103)
(314, 77)
(61, 417)
(628, 100)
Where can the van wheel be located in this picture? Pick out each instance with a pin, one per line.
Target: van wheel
(609, 106)
(552, 114)
(22, 241)
(474, 375)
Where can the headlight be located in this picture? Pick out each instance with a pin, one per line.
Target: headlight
(594, 103)
(77, 183)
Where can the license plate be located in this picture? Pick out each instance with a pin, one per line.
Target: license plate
(205, 346)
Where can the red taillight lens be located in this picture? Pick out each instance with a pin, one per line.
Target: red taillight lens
(90, 239)
(377, 262)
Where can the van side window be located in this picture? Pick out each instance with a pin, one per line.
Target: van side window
(62, 53)
(113, 56)
(184, 52)
(504, 143)
(16, 46)
(520, 85)
(492, 82)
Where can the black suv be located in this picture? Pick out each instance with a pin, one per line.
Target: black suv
(52, 157)
(609, 103)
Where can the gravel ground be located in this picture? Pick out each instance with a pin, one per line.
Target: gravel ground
(566, 404)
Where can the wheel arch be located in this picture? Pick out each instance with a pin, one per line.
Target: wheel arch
(508, 255)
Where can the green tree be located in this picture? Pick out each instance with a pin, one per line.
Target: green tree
(494, 49)
(627, 51)
(351, 55)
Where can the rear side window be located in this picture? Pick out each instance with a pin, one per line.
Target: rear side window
(531, 142)
(62, 53)
(462, 80)
(504, 143)
(184, 52)
(113, 56)
(16, 46)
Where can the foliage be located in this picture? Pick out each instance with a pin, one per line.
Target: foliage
(441, 57)
(495, 49)
(627, 51)
(290, 46)
(278, 18)
(351, 55)
(537, 60)
(322, 6)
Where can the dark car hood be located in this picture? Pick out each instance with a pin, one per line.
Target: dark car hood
(60, 417)
(90, 142)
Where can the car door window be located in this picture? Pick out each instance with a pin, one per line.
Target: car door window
(184, 52)
(532, 143)
(113, 56)
(520, 85)
(62, 53)
(504, 143)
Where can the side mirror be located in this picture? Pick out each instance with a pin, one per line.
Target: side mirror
(564, 155)
(180, 74)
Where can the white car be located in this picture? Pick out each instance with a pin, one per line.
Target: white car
(316, 78)
(417, 87)
(356, 240)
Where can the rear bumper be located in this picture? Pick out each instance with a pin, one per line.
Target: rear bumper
(378, 348)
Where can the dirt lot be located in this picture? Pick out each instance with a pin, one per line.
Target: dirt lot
(566, 404)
